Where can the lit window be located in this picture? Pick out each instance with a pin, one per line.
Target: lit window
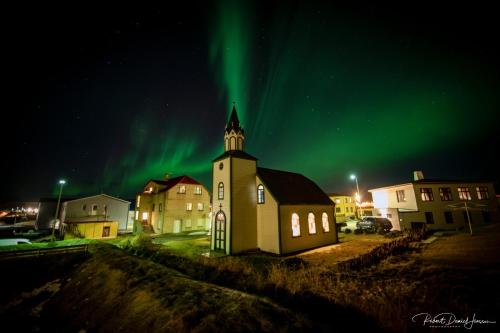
(464, 193)
(260, 194)
(482, 193)
(197, 190)
(400, 195)
(295, 225)
(426, 194)
(138, 201)
(337, 201)
(189, 206)
(445, 194)
(312, 223)
(324, 220)
(200, 206)
(136, 214)
(144, 216)
(182, 189)
(221, 191)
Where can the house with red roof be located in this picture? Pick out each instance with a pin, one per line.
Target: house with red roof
(173, 205)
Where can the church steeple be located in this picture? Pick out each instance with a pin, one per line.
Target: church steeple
(234, 135)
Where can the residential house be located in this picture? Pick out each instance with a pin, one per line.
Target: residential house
(439, 204)
(173, 205)
(345, 206)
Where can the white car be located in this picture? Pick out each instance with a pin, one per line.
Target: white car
(14, 241)
(349, 224)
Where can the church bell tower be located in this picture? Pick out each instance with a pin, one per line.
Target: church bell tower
(234, 136)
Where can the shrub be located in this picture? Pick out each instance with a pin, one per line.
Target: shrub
(347, 230)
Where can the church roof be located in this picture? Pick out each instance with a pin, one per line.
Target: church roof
(235, 153)
(169, 183)
(290, 188)
(234, 122)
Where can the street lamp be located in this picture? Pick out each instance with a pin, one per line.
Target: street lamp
(61, 182)
(358, 194)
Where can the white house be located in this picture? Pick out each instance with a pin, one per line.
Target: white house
(439, 204)
(101, 207)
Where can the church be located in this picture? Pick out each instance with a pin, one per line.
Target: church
(264, 209)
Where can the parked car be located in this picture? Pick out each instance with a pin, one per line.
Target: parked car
(374, 224)
(14, 241)
(347, 226)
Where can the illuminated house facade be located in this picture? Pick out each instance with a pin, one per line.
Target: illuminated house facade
(345, 206)
(173, 205)
(264, 209)
(439, 204)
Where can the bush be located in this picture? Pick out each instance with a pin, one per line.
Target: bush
(347, 230)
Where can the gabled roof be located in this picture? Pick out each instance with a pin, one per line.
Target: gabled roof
(234, 122)
(174, 181)
(100, 195)
(290, 188)
(431, 181)
(235, 153)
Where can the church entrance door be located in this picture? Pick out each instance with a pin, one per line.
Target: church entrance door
(220, 232)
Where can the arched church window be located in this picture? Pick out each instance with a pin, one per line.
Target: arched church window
(260, 194)
(232, 145)
(240, 143)
(295, 225)
(324, 220)
(312, 223)
(221, 191)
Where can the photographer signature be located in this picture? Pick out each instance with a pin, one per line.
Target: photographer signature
(448, 319)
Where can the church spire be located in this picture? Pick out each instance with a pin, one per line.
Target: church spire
(234, 122)
(234, 136)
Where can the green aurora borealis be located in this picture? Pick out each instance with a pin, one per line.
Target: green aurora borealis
(320, 93)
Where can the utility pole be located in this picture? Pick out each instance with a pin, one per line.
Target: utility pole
(61, 183)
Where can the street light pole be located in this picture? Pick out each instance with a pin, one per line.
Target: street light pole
(61, 182)
(358, 194)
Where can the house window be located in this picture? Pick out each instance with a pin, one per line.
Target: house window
(200, 206)
(138, 201)
(136, 214)
(337, 210)
(429, 218)
(189, 206)
(84, 207)
(426, 194)
(324, 220)
(295, 225)
(160, 207)
(221, 191)
(106, 231)
(448, 217)
(337, 201)
(94, 210)
(312, 223)
(260, 194)
(400, 195)
(464, 193)
(181, 189)
(197, 190)
(445, 194)
(482, 193)
(144, 216)
(153, 209)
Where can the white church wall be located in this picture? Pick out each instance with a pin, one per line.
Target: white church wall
(267, 222)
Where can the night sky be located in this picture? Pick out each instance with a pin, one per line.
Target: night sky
(109, 97)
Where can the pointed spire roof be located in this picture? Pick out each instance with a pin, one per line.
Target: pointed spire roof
(234, 122)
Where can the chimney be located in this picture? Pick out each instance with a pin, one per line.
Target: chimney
(418, 175)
